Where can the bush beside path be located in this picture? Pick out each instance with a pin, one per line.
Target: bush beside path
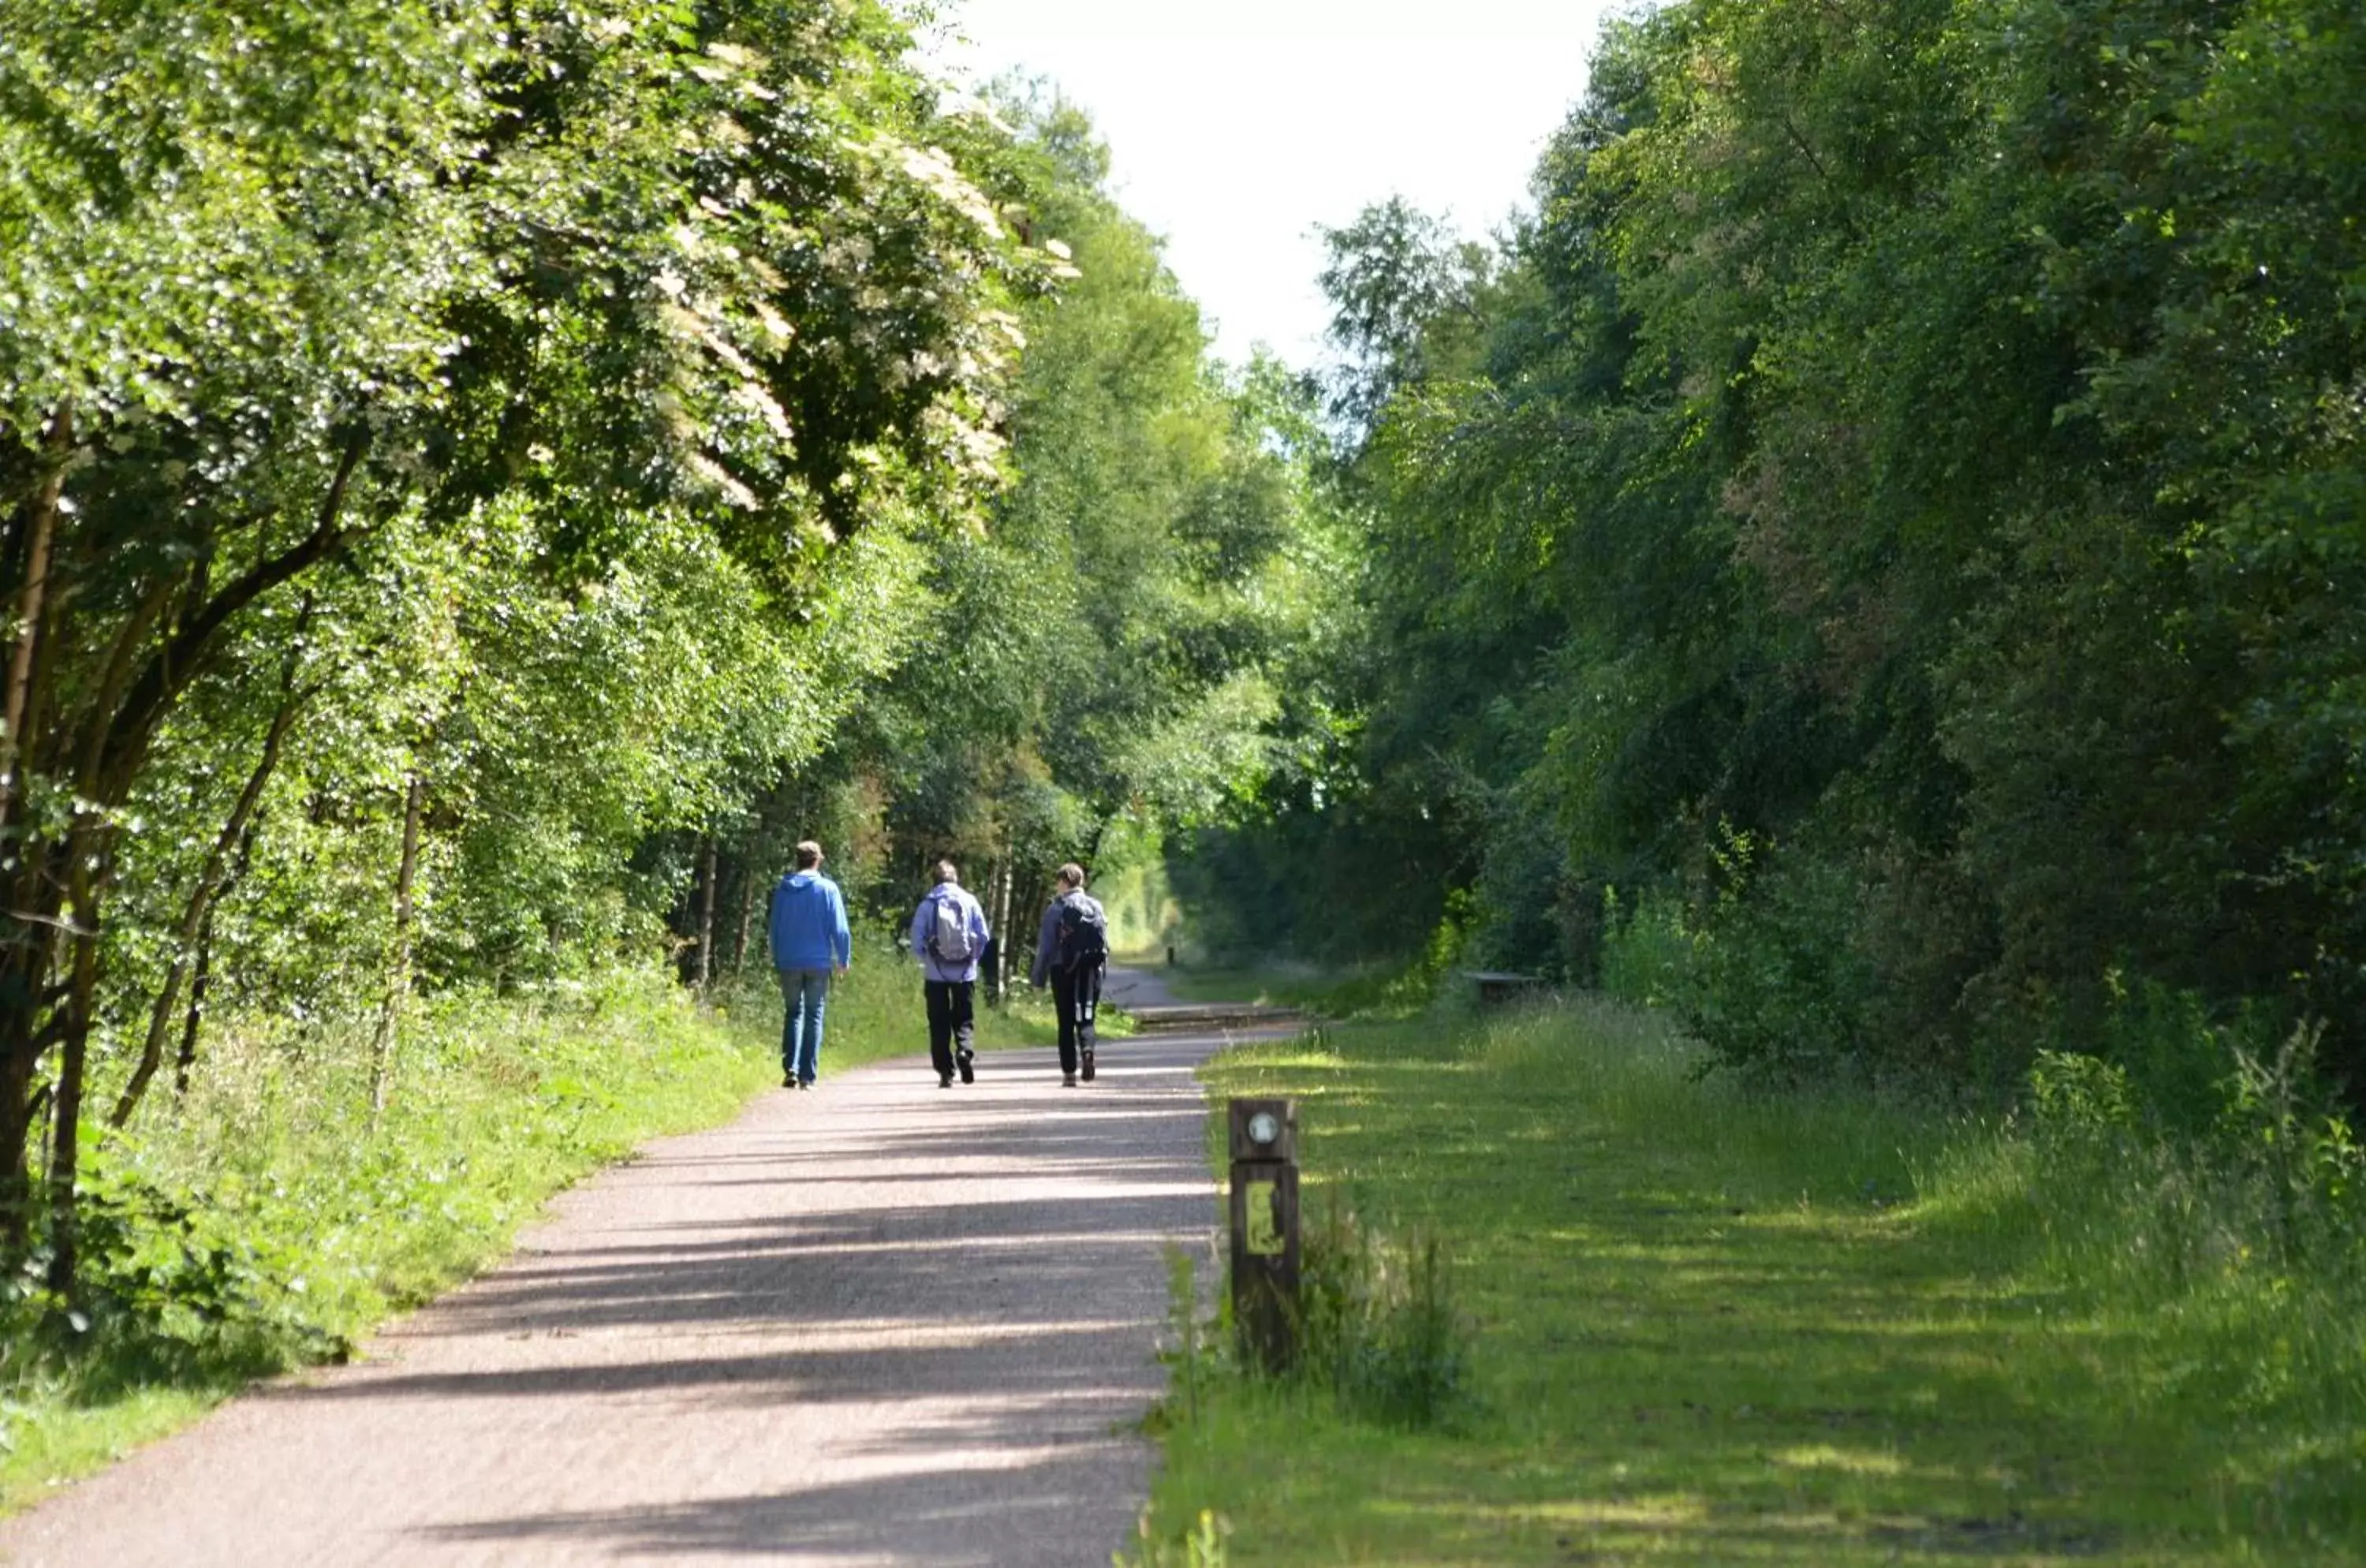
(874, 1322)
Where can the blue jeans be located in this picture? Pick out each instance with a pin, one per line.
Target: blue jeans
(804, 994)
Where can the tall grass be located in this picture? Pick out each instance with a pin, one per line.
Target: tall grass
(2204, 1209)
(1377, 1326)
(2232, 1259)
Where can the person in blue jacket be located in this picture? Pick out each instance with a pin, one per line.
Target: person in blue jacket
(949, 937)
(810, 942)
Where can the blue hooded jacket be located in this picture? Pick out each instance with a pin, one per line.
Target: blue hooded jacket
(808, 923)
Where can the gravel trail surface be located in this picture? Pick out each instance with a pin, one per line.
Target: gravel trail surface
(875, 1323)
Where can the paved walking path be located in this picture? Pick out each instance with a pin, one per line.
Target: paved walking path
(877, 1322)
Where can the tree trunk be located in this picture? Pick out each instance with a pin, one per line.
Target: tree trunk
(1027, 895)
(198, 914)
(28, 867)
(101, 746)
(88, 851)
(199, 984)
(120, 747)
(705, 915)
(1001, 892)
(747, 918)
(25, 967)
(397, 988)
(33, 600)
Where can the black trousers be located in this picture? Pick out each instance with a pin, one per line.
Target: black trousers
(1077, 994)
(951, 1020)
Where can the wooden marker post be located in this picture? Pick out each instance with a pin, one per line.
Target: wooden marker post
(1265, 1227)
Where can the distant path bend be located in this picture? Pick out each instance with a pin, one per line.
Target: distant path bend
(875, 1323)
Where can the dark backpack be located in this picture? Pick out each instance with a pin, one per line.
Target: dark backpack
(1082, 936)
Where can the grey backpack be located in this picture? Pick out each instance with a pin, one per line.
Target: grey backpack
(949, 933)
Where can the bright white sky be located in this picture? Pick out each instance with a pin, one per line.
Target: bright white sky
(1236, 126)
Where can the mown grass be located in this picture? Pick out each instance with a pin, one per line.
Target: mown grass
(1714, 1326)
(269, 1220)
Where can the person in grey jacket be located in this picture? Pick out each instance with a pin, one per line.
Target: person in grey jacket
(949, 936)
(1071, 950)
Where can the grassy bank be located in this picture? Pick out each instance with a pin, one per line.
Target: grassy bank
(268, 1219)
(1709, 1327)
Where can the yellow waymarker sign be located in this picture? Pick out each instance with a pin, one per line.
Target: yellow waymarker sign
(1265, 1238)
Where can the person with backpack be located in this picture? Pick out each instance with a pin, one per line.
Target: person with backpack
(1072, 949)
(949, 937)
(810, 942)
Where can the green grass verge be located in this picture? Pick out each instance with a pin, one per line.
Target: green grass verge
(1711, 1326)
(269, 1220)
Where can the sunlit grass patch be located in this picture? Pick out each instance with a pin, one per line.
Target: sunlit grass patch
(1713, 1325)
(1823, 1456)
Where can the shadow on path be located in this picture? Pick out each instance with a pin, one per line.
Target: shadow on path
(876, 1323)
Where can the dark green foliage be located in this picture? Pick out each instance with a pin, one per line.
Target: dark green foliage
(441, 454)
(1101, 662)
(1917, 443)
(1334, 883)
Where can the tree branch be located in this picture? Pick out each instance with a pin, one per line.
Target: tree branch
(193, 646)
(128, 643)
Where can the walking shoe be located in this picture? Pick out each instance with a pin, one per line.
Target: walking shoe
(1088, 1063)
(945, 1080)
(969, 1066)
(788, 1080)
(1068, 1080)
